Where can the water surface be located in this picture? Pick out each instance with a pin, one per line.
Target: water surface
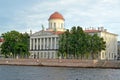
(56, 73)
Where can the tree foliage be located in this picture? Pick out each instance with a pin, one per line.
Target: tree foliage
(76, 44)
(15, 44)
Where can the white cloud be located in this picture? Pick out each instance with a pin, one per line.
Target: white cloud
(111, 1)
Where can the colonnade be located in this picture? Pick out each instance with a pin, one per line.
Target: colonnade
(49, 43)
(44, 47)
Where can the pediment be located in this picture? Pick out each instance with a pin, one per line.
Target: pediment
(42, 33)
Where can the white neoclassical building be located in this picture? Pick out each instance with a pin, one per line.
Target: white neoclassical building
(111, 43)
(44, 43)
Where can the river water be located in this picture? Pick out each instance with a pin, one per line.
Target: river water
(56, 73)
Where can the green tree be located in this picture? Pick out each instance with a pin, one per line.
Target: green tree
(73, 40)
(12, 42)
(64, 44)
(96, 45)
(81, 46)
(77, 43)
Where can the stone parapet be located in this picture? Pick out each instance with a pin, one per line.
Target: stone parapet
(62, 63)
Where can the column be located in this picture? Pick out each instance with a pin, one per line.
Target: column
(40, 43)
(51, 43)
(33, 44)
(43, 43)
(30, 44)
(46, 53)
(55, 43)
(47, 43)
(37, 44)
(53, 55)
(48, 47)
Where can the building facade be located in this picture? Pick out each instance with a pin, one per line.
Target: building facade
(111, 43)
(1, 41)
(44, 43)
(118, 45)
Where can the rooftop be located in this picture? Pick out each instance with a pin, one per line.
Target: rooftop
(56, 15)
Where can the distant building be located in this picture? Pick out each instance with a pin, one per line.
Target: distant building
(111, 42)
(118, 45)
(44, 43)
(1, 41)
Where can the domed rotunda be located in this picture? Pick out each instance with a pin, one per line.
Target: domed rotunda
(56, 22)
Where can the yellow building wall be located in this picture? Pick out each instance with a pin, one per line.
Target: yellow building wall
(111, 46)
(57, 24)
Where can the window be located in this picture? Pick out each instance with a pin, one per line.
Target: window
(61, 25)
(50, 25)
(38, 55)
(109, 55)
(54, 25)
(41, 54)
(112, 55)
(34, 55)
(44, 54)
(103, 55)
(52, 55)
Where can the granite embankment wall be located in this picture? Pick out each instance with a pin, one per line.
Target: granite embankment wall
(62, 63)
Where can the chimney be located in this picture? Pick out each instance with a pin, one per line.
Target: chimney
(98, 28)
(105, 30)
(102, 28)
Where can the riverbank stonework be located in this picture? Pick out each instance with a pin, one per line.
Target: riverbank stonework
(62, 63)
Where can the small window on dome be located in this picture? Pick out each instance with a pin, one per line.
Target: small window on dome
(50, 25)
(61, 25)
(54, 25)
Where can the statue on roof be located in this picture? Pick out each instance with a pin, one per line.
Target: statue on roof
(43, 27)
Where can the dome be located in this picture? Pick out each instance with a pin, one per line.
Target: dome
(56, 15)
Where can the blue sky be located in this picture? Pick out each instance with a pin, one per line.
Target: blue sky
(23, 15)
